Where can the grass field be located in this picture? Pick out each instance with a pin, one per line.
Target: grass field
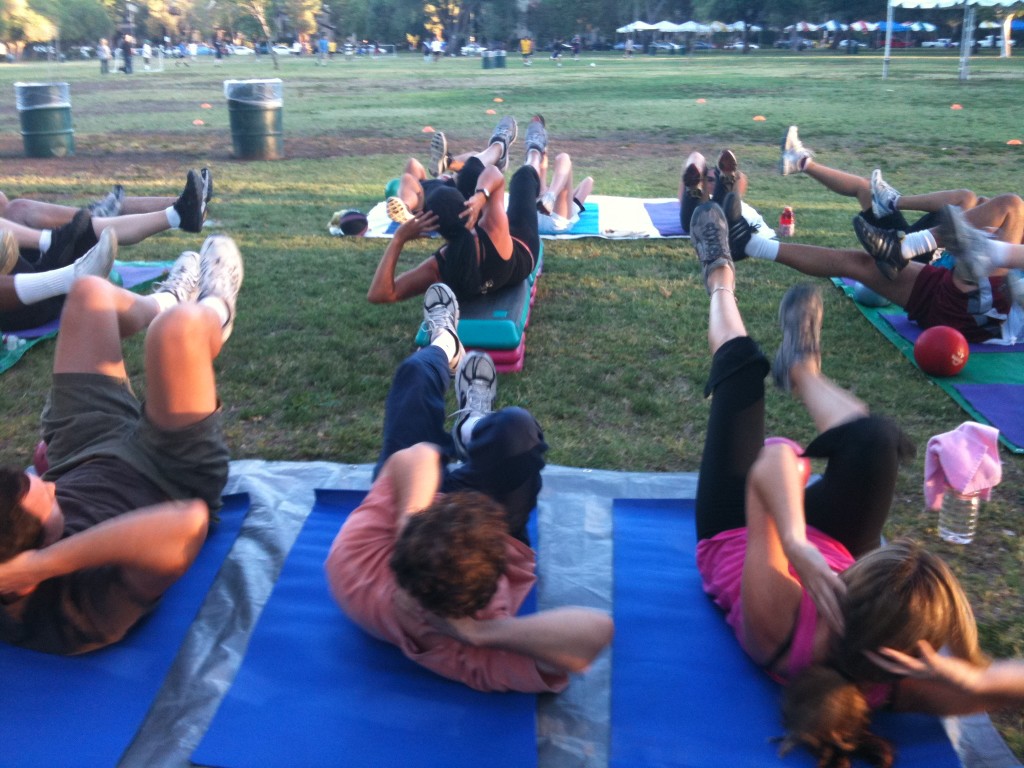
(616, 355)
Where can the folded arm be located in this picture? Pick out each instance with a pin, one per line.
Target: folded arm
(385, 287)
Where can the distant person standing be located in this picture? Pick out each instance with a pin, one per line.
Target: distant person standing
(577, 43)
(526, 50)
(629, 47)
(104, 54)
(322, 50)
(436, 48)
(147, 54)
(126, 53)
(193, 50)
(218, 53)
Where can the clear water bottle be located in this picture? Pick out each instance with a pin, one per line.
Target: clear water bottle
(958, 516)
(787, 222)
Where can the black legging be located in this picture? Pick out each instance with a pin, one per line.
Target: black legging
(523, 191)
(850, 502)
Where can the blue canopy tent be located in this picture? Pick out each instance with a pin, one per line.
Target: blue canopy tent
(968, 27)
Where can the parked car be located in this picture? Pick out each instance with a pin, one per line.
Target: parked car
(942, 42)
(472, 49)
(800, 44)
(240, 50)
(991, 41)
(848, 43)
(282, 50)
(703, 45)
(900, 43)
(669, 47)
(738, 46)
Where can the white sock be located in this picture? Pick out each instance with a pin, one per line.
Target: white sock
(217, 304)
(999, 252)
(447, 343)
(173, 219)
(917, 243)
(762, 248)
(31, 287)
(45, 238)
(165, 300)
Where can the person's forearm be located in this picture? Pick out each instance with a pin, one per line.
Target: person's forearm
(415, 474)
(1002, 684)
(159, 539)
(563, 639)
(382, 287)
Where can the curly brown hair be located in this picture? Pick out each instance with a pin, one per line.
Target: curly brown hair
(18, 529)
(450, 555)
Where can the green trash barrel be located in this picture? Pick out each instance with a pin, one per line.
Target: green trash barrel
(45, 113)
(488, 59)
(499, 60)
(255, 110)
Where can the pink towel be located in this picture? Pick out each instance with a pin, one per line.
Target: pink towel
(965, 460)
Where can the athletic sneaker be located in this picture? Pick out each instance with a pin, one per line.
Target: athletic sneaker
(505, 133)
(110, 205)
(968, 245)
(800, 316)
(883, 245)
(220, 275)
(537, 135)
(546, 203)
(883, 195)
(9, 252)
(693, 191)
(99, 259)
(190, 205)
(439, 157)
(69, 241)
(1015, 284)
(710, 235)
(183, 279)
(728, 173)
(441, 314)
(398, 211)
(794, 153)
(476, 387)
(207, 178)
(740, 230)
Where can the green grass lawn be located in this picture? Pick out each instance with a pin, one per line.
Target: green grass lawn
(616, 352)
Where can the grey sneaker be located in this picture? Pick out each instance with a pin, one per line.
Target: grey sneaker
(800, 316)
(440, 314)
(710, 235)
(190, 205)
(9, 252)
(504, 133)
(439, 157)
(206, 175)
(99, 259)
(476, 387)
(220, 275)
(183, 279)
(794, 153)
(537, 135)
(883, 195)
(740, 230)
(883, 245)
(110, 205)
(968, 245)
(398, 211)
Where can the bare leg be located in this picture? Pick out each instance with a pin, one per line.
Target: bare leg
(1004, 215)
(841, 182)
(828, 404)
(97, 316)
(410, 187)
(933, 201)
(26, 237)
(132, 205)
(133, 228)
(818, 261)
(41, 215)
(724, 319)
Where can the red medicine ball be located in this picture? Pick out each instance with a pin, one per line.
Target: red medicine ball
(941, 351)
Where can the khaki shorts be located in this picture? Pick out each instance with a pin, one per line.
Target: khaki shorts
(88, 415)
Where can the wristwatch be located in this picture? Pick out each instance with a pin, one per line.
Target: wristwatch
(485, 193)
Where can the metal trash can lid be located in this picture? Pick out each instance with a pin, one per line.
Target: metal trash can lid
(40, 95)
(268, 93)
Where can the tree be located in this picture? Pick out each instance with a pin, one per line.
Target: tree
(20, 24)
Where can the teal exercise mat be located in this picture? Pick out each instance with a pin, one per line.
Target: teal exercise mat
(85, 710)
(683, 691)
(314, 689)
(988, 388)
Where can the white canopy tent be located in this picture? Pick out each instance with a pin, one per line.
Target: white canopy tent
(636, 26)
(968, 27)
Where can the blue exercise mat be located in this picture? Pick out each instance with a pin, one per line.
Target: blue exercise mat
(85, 710)
(314, 689)
(683, 692)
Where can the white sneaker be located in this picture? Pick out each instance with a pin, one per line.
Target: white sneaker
(220, 275)
(438, 154)
(440, 315)
(969, 245)
(398, 211)
(183, 279)
(794, 153)
(883, 196)
(476, 387)
(99, 259)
